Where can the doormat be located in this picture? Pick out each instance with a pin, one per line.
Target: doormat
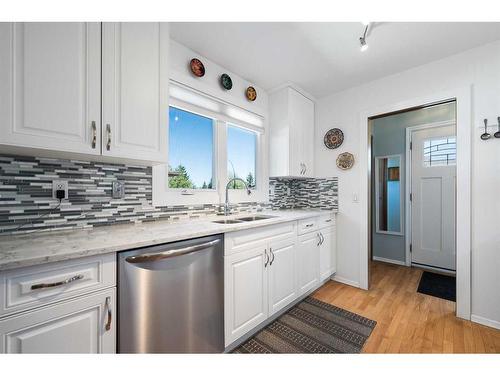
(437, 285)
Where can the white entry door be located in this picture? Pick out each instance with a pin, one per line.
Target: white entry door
(433, 181)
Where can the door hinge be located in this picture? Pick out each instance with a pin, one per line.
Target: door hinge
(411, 145)
(410, 248)
(411, 197)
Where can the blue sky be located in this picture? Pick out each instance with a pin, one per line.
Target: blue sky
(191, 144)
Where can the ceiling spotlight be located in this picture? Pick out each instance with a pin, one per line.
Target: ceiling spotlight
(362, 39)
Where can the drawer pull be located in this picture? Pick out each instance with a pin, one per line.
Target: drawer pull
(94, 134)
(108, 130)
(57, 283)
(327, 221)
(309, 225)
(109, 313)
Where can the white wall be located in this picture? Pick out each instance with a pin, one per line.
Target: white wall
(180, 56)
(479, 67)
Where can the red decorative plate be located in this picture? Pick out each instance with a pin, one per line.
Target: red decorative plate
(197, 67)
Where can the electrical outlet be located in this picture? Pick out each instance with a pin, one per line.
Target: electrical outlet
(59, 185)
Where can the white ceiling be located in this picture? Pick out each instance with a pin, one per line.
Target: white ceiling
(323, 58)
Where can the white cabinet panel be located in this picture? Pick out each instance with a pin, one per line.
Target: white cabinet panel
(50, 83)
(291, 134)
(282, 283)
(328, 254)
(246, 295)
(307, 262)
(135, 90)
(76, 326)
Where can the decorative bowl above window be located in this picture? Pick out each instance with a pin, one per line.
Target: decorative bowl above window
(197, 67)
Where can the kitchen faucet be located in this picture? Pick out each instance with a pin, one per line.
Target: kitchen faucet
(227, 208)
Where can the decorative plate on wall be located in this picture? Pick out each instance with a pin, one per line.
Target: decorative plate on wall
(197, 67)
(226, 81)
(333, 138)
(345, 160)
(251, 93)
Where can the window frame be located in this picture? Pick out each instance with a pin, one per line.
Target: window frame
(163, 195)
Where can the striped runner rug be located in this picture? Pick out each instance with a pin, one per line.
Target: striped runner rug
(312, 326)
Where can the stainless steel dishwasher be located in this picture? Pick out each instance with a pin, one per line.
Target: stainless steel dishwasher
(171, 298)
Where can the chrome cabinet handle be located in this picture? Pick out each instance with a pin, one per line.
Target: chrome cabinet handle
(267, 258)
(108, 130)
(327, 221)
(322, 238)
(57, 283)
(272, 253)
(109, 313)
(305, 168)
(309, 225)
(319, 239)
(151, 257)
(94, 134)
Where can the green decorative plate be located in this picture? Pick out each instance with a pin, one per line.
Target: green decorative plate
(226, 81)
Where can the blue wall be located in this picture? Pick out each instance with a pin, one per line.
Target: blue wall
(389, 138)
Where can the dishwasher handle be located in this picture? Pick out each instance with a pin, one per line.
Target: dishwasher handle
(151, 257)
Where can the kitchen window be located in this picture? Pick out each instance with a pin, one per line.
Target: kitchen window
(190, 150)
(210, 142)
(241, 156)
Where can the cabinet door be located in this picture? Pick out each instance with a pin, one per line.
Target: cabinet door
(50, 85)
(282, 281)
(307, 262)
(327, 254)
(301, 134)
(135, 90)
(246, 294)
(77, 326)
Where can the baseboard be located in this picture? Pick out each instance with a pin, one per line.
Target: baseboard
(485, 321)
(392, 261)
(345, 281)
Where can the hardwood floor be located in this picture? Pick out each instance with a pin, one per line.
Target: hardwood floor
(407, 321)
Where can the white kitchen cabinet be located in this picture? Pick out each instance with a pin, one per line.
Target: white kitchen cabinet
(50, 86)
(135, 90)
(307, 262)
(291, 134)
(50, 89)
(246, 291)
(83, 325)
(328, 253)
(282, 283)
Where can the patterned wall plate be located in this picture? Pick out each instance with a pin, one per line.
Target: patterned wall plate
(251, 93)
(197, 67)
(226, 81)
(333, 138)
(345, 160)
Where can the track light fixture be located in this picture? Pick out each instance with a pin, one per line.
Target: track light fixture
(362, 39)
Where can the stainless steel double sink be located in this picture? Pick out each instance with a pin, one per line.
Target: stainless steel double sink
(243, 219)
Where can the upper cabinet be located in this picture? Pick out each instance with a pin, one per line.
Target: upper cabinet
(135, 90)
(51, 75)
(292, 134)
(50, 86)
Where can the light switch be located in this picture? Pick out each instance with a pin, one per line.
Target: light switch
(118, 189)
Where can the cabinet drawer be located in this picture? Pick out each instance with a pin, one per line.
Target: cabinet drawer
(307, 225)
(81, 325)
(326, 221)
(236, 242)
(30, 287)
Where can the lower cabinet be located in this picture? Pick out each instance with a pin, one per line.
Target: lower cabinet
(282, 283)
(327, 253)
(82, 325)
(246, 291)
(308, 262)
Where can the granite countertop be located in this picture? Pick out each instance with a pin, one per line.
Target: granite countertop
(21, 250)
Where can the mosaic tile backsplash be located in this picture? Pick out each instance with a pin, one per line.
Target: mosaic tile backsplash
(26, 202)
(320, 193)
